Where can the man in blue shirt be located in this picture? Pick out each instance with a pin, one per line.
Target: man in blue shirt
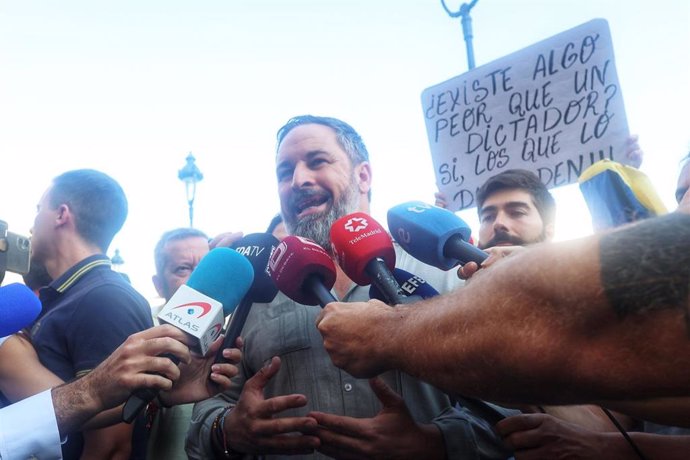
(88, 309)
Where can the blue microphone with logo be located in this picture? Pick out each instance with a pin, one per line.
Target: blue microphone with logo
(198, 308)
(433, 235)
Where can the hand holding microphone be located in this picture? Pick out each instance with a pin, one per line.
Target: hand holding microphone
(214, 289)
(433, 235)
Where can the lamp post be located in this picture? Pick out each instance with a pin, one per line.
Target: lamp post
(117, 261)
(190, 175)
(466, 22)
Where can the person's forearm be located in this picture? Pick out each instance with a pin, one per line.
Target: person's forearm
(74, 404)
(665, 411)
(655, 446)
(567, 322)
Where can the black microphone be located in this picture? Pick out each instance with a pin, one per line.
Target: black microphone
(414, 287)
(257, 248)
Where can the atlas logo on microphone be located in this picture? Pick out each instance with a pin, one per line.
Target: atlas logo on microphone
(191, 310)
(195, 313)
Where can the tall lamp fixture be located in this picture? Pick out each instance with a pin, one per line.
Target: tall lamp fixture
(190, 175)
(466, 21)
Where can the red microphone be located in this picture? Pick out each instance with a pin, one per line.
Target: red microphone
(364, 251)
(303, 271)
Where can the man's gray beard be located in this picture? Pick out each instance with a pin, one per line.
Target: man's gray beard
(317, 227)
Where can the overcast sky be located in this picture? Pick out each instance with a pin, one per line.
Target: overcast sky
(131, 87)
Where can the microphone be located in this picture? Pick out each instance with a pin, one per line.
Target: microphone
(303, 271)
(19, 307)
(364, 251)
(414, 287)
(433, 235)
(213, 290)
(257, 248)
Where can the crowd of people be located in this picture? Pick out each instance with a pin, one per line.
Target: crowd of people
(544, 351)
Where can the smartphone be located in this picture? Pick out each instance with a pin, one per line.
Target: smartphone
(18, 253)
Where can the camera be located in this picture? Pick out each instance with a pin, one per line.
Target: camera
(15, 252)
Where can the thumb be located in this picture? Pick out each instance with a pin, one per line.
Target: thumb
(385, 393)
(265, 374)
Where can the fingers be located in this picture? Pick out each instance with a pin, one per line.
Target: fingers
(441, 200)
(385, 393)
(225, 240)
(222, 374)
(522, 422)
(261, 378)
(466, 271)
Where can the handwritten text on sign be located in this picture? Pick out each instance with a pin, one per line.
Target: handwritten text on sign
(554, 108)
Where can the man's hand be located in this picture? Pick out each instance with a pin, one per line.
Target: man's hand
(225, 240)
(495, 254)
(350, 335)
(253, 426)
(633, 152)
(392, 433)
(440, 200)
(134, 364)
(540, 436)
(201, 379)
(137, 364)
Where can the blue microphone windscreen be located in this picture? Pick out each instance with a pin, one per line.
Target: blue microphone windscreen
(423, 230)
(410, 284)
(257, 248)
(224, 275)
(19, 307)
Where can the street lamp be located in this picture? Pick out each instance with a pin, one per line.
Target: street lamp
(466, 21)
(117, 260)
(190, 175)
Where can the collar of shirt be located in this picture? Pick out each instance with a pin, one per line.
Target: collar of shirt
(71, 276)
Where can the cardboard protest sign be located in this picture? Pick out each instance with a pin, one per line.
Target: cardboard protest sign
(554, 108)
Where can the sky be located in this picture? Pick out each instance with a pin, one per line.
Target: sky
(130, 87)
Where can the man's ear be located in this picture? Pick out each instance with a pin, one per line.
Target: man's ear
(549, 231)
(63, 215)
(363, 174)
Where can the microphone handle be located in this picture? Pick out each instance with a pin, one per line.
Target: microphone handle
(237, 320)
(314, 285)
(457, 248)
(385, 281)
(140, 398)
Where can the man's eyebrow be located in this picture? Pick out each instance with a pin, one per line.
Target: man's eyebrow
(510, 204)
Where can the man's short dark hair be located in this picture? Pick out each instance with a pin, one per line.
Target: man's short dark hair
(177, 234)
(348, 139)
(95, 199)
(520, 179)
(346, 135)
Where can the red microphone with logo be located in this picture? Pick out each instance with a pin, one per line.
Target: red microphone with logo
(364, 251)
(303, 271)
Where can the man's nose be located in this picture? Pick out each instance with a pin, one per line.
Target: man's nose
(302, 176)
(500, 223)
